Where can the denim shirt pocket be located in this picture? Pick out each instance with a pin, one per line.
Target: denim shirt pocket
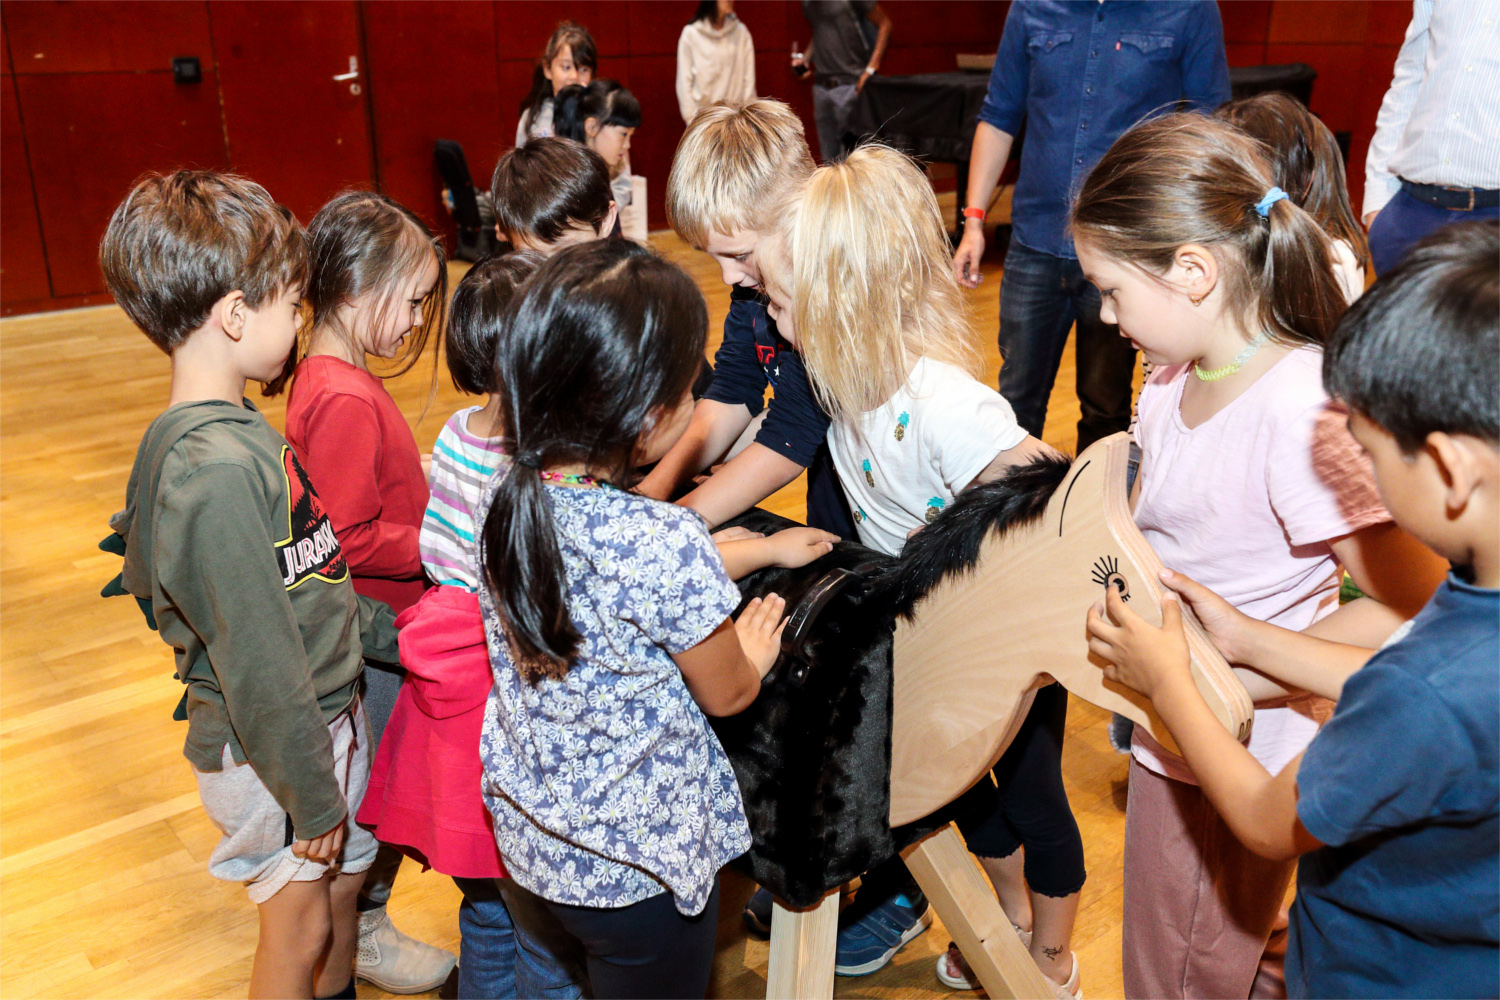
(1151, 46)
(1045, 42)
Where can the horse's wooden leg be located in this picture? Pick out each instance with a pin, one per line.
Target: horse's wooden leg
(968, 907)
(803, 943)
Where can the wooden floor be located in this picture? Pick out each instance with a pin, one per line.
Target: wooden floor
(103, 846)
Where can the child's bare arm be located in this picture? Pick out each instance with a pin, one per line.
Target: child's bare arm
(1394, 570)
(1259, 808)
(1296, 659)
(724, 671)
(790, 548)
(714, 427)
(1029, 448)
(743, 482)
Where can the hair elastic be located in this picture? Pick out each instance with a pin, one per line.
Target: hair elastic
(1263, 207)
(528, 460)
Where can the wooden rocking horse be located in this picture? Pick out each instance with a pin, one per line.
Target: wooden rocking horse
(984, 606)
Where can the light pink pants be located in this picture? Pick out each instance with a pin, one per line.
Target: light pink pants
(1199, 906)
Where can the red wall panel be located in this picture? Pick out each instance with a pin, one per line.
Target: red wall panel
(655, 25)
(1245, 20)
(956, 24)
(1317, 20)
(523, 28)
(653, 80)
(289, 124)
(90, 36)
(23, 261)
(91, 135)
(415, 104)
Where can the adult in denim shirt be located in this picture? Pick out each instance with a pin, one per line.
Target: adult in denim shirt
(1077, 75)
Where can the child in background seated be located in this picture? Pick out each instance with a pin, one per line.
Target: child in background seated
(607, 615)
(1310, 169)
(603, 116)
(425, 784)
(378, 290)
(552, 193)
(858, 277)
(1250, 483)
(1393, 807)
(569, 58)
(226, 538)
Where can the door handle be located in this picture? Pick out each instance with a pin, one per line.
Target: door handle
(353, 73)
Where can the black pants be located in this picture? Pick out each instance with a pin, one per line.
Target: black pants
(646, 949)
(1032, 809)
(827, 507)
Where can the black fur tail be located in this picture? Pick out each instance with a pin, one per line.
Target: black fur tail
(950, 544)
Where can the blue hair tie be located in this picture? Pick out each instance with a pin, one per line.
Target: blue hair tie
(1263, 207)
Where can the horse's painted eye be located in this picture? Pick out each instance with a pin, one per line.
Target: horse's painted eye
(1107, 574)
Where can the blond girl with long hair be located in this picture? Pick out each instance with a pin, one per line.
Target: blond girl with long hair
(859, 279)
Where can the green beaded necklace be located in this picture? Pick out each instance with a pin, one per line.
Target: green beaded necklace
(1214, 374)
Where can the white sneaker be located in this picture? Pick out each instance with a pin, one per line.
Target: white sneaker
(397, 963)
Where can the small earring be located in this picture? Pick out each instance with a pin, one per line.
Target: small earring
(1198, 301)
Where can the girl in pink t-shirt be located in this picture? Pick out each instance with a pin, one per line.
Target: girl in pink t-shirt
(1249, 483)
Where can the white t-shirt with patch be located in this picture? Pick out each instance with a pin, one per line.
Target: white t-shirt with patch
(903, 462)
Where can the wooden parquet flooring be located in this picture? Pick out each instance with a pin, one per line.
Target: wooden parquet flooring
(103, 846)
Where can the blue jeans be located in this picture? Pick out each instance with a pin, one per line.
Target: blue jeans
(1404, 220)
(1041, 297)
(512, 946)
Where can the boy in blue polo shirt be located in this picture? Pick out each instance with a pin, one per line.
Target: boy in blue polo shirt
(1395, 807)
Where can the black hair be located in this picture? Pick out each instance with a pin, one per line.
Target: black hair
(1419, 352)
(601, 340)
(546, 187)
(474, 318)
(605, 101)
(708, 10)
(577, 38)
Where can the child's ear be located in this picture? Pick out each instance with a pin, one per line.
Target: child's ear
(1462, 465)
(591, 127)
(1197, 271)
(232, 314)
(608, 225)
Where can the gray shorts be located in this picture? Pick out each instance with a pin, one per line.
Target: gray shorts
(256, 848)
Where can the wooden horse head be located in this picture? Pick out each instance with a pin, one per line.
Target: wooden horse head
(974, 649)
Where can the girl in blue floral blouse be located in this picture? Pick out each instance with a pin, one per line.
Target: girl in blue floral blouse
(607, 618)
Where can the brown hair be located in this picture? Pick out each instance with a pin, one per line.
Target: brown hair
(733, 165)
(546, 187)
(364, 243)
(180, 242)
(1187, 178)
(1306, 159)
(578, 40)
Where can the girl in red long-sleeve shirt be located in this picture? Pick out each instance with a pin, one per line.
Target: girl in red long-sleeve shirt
(378, 289)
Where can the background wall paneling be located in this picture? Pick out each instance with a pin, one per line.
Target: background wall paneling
(90, 103)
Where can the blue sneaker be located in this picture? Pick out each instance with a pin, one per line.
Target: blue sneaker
(758, 913)
(868, 943)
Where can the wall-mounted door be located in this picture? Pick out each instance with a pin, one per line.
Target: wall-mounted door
(296, 98)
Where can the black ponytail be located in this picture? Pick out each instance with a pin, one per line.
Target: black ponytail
(603, 338)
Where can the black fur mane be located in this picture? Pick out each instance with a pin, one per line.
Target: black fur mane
(951, 543)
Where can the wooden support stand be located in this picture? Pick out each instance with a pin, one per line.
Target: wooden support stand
(803, 942)
(802, 950)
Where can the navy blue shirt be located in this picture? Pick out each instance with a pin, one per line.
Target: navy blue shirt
(752, 355)
(1078, 74)
(1401, 784)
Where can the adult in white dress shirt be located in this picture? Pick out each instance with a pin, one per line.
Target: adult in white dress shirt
(1435, 158)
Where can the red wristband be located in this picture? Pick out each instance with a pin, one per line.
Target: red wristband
(974, 212)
